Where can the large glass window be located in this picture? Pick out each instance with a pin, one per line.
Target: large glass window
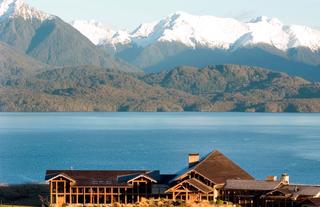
(87, 199)
(101, 190)
(54, 199)
(74, 199)
(54, 187)
(101, 199)
(60, 187)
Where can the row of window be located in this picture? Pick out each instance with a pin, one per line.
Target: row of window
(94, 199)
(61, 187)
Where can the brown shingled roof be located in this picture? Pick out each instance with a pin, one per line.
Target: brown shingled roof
(202, 187)
(195, 183)
(311, 202)
(305, 190)
(258, 185)
(95, 177)
(218, 168)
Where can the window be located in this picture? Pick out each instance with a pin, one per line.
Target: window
(87, 199)
(54, 200)
(54, 187)
(68, 187)
(108, 199)
(80, 199)
(60, 187)
(101, 190)
(67, 198)
(73, 199)
(101, 199)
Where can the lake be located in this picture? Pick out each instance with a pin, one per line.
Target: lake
(262, 144)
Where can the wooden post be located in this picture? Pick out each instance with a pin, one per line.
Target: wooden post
(125, 196)
(77, 195)
(64, 191)
(50, 191)
(98, 195)
(105, 195)
(90, 195)
(56, 192)
(118, 195)
(138, 199)
(111, 195)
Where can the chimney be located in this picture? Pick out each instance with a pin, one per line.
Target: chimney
(271, 178)
(193, 159)
(285, 178)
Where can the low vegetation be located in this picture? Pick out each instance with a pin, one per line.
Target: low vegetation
(171, 203)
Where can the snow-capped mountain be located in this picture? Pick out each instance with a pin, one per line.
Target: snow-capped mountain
(93, 30)
(18, 8)
(49, 39)
(214, 32)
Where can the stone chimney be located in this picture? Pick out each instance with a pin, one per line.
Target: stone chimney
(193, 159)
(285, 178)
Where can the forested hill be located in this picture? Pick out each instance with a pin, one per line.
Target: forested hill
(213, 88)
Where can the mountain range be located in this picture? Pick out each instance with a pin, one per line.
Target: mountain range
(185, 39)
(48, 39)
(180, 63)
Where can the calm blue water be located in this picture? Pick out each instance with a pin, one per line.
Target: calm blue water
(263, 144)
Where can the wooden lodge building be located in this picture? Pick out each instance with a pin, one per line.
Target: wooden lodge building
(212, 178)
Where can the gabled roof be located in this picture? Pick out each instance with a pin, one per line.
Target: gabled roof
(306, 191)
(217, 168)
(56, 175)
(297, 191)
(311, 201)
(257, 185)
(195, 183)
(142, 176)
(95, 177)
(153, 176)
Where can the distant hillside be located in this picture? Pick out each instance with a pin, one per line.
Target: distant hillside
(89, 89)
(50, 40)
(15, 63)
(213, 88)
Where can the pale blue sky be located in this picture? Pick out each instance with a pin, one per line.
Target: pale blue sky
(130, 13)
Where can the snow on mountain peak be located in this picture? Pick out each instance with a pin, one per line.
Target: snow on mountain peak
(192, 31)
(273, 21)
(13, 8)
(303, 36)
(96, 32)
(209, 32)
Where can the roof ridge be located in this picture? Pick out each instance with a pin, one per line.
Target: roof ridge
(206, 157)
(217, 153)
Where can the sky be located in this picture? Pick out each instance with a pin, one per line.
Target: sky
(128, 14)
